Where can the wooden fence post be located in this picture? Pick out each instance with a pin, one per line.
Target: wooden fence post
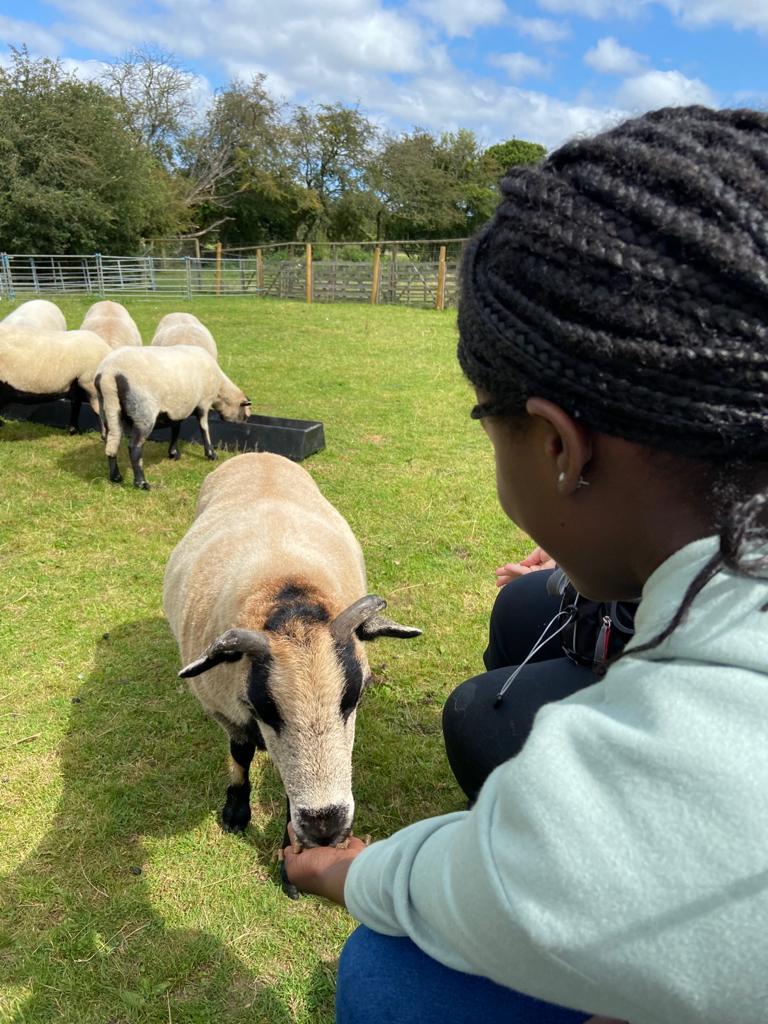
(309, 272)
(218, 268)
(376, 274)
(259, 271)
(440, 297)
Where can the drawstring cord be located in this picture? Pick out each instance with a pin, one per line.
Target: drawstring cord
(544, 639)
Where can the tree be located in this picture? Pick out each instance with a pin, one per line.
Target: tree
(512, 153)
(234, 168)
(75, 178)
(431, 187)
(156, 92)
(331, 148)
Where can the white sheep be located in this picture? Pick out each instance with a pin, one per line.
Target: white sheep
(266, 595)
(184, 329)
(112, 322)
(38, 366)
(141, 387)
(37, 313)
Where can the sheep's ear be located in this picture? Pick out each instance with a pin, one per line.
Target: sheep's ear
(229, 646)
(380, 625)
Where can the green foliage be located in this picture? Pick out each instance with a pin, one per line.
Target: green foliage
(99, 166)
(432, 187)
(75, 179)
(514, 152)
(108, 763)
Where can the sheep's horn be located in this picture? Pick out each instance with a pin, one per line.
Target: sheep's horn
(229, 646)
(346, 622)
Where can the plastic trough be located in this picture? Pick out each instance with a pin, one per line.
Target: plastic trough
(296, 439)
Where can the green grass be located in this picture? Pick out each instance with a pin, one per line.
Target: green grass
(108, 765)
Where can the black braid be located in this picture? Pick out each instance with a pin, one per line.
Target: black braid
(626, 278)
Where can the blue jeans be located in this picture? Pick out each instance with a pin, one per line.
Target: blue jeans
(383, 980)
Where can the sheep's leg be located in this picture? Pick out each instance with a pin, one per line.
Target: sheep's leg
(173, 451)
(237, 809)
(289, 888)
(135, 450)
(115, 476)
(202, 419)
(75, 404)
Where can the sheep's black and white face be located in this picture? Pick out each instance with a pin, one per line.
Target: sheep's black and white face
(305, 696)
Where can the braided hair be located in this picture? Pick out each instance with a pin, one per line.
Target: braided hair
(626, 279)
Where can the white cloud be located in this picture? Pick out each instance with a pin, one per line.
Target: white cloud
(25, 33)
(459, 17)
(596, 9)
(610, 57)
(385, 59)
(543, 30)
(740, 15)
(520, 65)
(663, 89)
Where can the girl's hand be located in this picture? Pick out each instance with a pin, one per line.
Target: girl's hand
(321, 870)
(538, 559)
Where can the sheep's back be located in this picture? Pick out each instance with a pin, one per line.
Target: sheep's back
(186, 334)
(36, 314)
(116, 331)
(47, 362)
(261, 518)
(177, 380)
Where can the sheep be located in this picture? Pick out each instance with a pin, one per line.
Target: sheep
(267, 598)
(139, 387)
(184, 329)
(113, 323)
(39, 366)
(39, 313)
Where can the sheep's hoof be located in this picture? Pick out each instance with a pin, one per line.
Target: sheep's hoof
(117, 479)
(73, 431)
(141, 485)
(236, 812)
(212, 456)
(289, 888)
(174, 454)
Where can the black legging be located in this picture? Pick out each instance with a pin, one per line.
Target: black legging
(478, 736)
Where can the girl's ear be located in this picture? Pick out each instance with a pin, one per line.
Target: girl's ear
(569, 444)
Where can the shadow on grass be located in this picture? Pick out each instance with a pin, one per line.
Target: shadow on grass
(84, 942)
(89, 461)
(23, 430)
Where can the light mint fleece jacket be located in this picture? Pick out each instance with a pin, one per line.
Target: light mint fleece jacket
(619, 864)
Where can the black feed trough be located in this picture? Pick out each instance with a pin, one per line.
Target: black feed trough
(296, 439)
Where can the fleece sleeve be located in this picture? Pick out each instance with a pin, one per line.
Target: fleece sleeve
(585, 873)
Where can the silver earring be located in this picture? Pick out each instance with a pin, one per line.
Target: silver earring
(561, 478)
(582, 482)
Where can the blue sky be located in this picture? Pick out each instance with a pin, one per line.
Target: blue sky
(537, 69)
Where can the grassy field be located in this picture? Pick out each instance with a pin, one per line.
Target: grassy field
(121, 900)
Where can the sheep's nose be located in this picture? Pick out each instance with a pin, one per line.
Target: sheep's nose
(325, 826)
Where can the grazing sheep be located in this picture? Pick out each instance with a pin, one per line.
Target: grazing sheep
(141, 387)
(113, 323)
(184, 329)
(266, 595)
(38, 313)
(40, 366)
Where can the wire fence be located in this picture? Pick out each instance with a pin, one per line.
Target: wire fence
(411, 273)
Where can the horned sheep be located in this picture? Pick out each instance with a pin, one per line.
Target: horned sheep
(40, 366)
(266, 595)
(112, 322)
(184, 329)
(141, 387)
(36, 313)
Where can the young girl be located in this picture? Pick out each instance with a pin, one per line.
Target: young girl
(614, 324)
